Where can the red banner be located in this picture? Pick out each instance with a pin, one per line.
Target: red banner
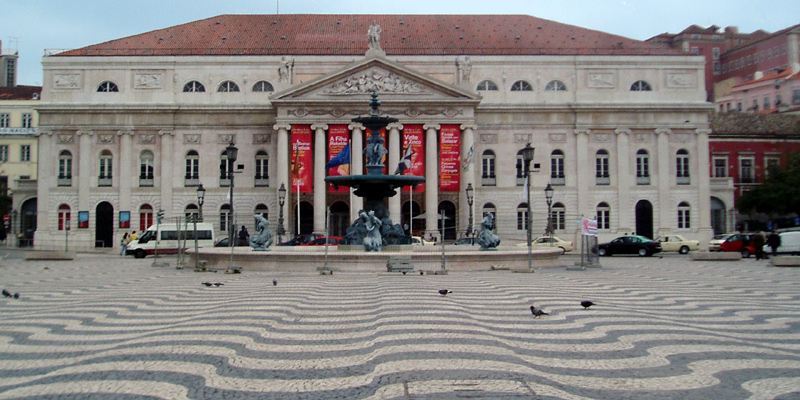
(367, 134)
(302, 159)
(449, 158)
(338, 139)
(414, 148)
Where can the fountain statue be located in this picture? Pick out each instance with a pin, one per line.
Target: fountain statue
(263, 238)
(374, 228)
(486, 237)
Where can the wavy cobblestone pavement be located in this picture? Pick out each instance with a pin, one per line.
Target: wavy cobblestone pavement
(106, 327)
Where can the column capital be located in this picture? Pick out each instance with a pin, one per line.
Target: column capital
(582, 131)
(282, 125)
(660, 131)
(166, 132)
(87, 132)
(319, 126)
(466, 126)
(395, 125)
(435, 127)
(43, 133)
(702, 131)
(123, 132)
(622, 131)
(356, 126)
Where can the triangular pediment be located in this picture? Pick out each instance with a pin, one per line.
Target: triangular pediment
(392, 81)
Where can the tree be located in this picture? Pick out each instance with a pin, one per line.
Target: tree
(780, 193)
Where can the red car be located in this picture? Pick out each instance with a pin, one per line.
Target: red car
(322, 240)
(739, 242)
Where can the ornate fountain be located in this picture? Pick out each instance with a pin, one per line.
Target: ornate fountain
(373, 228)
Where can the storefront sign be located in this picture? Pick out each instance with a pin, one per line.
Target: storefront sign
(449, 158)
(412, 153)
(338, 153)
(301, 159)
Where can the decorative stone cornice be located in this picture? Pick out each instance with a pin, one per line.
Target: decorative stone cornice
(702, 131)
(582, 131)
(87, 132)
(316, 127)
(660, 131)
(124, 132)
(472, 126)
(355, 126)
(395, 125)
(432, 126)
(166, 132)
(283, 126)
(622, 131)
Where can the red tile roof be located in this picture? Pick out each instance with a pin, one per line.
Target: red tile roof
(786, 74)
(332, 34)
(20, 92)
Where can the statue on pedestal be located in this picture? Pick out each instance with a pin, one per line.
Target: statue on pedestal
(263, 238)
(486, 237)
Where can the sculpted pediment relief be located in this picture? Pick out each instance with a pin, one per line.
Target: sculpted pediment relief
(374, 79)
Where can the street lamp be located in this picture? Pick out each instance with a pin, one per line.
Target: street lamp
(527, 156)
(470, 199)
(281, 202)
(548, 195)
(231, 152)
(201, 195)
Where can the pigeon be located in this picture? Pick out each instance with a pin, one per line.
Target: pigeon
(6, 293)
(586, 304)
(538, 312)
(421, 273)
(16, 295)
(444, 292)
(274, 282)
(208, 284)
(404, 272)
(218, 284)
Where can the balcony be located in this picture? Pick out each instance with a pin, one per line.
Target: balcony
(721, 183)
(64, 181)
(602, 180)
(103, 181)
(191, 181)
(146, 182)
(262, 181)
(642, 180)
(520, 181)
(488, 181)
(683, 180)
(224, 182)
(559, 181)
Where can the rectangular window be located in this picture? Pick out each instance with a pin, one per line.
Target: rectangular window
(771, 163)
(715, 53)
(558, 219)
(778, 100)
(739, 106)
(602, 219)
(4, 153)
(720, 167)
(522, 220)
(755, 105)
(796, 96)
(767, 104)
(11, 69)
(25, 152)
(5, 120)
(746, 172)
(683, 218)
(27, 120)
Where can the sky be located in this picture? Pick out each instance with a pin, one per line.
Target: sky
(31, 26)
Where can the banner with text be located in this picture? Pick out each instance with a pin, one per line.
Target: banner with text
(412, 154)
(302, 159)
(449, 158)
(367, 135)
(339, 153)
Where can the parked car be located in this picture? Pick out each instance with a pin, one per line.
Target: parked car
(739, 242)
(419, 241)
(171, 238)
(716, 241)
(323, 240)
(790, 244)
(300, 239)
(632, 244)
(678, 243)
(549, 242)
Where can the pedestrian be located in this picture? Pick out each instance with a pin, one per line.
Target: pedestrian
(758, 242)
(133, 236)
(774, 241)
(244, 236)
(123, 244)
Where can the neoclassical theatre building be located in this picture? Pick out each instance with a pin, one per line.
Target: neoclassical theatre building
(134, 125)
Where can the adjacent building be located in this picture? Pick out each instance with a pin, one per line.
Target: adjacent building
(135, 125)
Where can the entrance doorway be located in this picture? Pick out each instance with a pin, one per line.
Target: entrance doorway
(339, 218)
(104, 225)
(449, 228)
(718, 223)
(27, 222)
(644, 219)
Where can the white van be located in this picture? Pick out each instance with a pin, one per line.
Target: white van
(169, 236)
(790, 243)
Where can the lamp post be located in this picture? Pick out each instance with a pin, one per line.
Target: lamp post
(66, 235)
(470, 199)
(548, 196)
(201, 195)
(231, 152)
(527, 156)
(281, 202)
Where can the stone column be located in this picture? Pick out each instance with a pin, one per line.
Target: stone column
(703, 192)
(431, 178)
(666, 217)
(467, 175)
(624, 180)
(282, 167)
(320, 144)
(84, 169)
(167, 170)
(126, 177)
(583, 172)
(46, 180)
(356, 165)
(394, 159)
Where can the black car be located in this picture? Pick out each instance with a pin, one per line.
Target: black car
(300, 240)
(632, 244)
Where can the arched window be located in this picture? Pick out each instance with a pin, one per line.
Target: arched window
(146, 160)
(224, 166)
(557, 167)
(107, 87)
(191, 211)
(489, 208)
(558, 216)
(603, 216)
(263, 86)
(521, 86)
(194, 87)
(224, 217)
(601, 167)
(520, 168)
(63, 216)
(105, 170)
(683, 215)
(228, 86)
(145, 217)
(682, 167)
(555, 86)
(486, 86)
(642, 167)
(262, 168)
(263, 210)
(64, 168)
(192, 168)
(640, 86)
(522, 217)
(487, 168)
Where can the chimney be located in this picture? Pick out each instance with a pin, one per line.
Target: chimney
(758, 75)
(731, 30)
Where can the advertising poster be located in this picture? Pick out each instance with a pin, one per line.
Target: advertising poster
(83, 219)
(367, 135)
(302, 159)
(124, 219)
(412, 153)
(338, 154)
(449, 158)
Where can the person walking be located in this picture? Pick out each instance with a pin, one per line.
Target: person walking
(774, 241)
(133, 236)
(758, 242)
(244, 237)
(123, 244)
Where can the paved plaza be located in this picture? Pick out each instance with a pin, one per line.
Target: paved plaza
(107, 327)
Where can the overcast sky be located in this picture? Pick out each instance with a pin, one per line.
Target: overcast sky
(34, 25)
